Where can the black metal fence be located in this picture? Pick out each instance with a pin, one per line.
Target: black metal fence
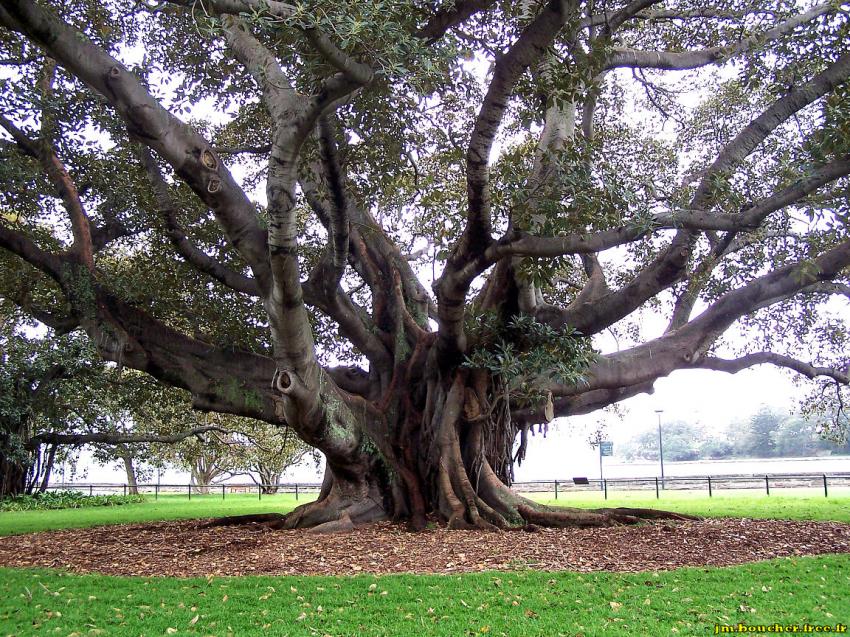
(110, 488)
(709, 484)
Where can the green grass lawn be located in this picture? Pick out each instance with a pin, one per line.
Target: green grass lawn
(167, 507)
(522, 603)
(799, 504)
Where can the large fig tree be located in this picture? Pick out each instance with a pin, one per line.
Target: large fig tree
(396, 227)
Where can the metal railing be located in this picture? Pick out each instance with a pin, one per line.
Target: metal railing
(157, 489)
(711, 484)
(688, 483)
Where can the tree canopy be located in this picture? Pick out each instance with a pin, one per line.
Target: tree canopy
(398, 227)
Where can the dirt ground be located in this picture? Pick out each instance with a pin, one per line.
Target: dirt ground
(186, 548)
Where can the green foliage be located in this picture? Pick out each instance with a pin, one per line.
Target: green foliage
(403, 144)
(521, 351)
(52, 500)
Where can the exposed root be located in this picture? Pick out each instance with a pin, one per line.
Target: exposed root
(646, 514)
(341, 524)
(547, 516)
(333, 514)
(271, 520)
(564, 519)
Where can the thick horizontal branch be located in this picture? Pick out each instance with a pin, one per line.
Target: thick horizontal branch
(102, 236)
(766, 290)
(770, 358)
(581, 403)
(119, 439)
(753, 216)
(21, 245)
(60, 323)
(638, 367)
(828, 287)
(625, 14)
(445, 19)
(601, 19)
(357, 72)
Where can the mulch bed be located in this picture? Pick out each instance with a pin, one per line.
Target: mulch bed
(185, 548)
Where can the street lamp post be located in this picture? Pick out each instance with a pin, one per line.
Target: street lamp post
(660, 446)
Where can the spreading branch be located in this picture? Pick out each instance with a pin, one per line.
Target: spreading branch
(444, 20)
(65, 186)
(476, 237)
(680, 61)
(770, 358)
(196, 257)
(181, 146)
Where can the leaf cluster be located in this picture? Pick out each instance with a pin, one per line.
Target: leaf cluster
(523, 353)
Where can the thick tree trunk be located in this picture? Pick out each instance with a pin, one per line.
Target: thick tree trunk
(14, 469)
(16, 461)
(47, 469)
(202, 475)
(130, 470)
(269, 479)
(438, 450)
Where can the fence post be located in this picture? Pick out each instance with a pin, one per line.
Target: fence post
(657, 493)
(222, 492)
(156, 491)
(825, 491)
(296, 492)
(556, 489)
(605, 487)
(767, 484)
(259, 491)
(90, 490)
(190, 491)
(709, 486)
(125, 490)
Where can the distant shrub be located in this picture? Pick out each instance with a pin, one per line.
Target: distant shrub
(65, 500)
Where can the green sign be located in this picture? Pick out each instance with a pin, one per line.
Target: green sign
(606, 448)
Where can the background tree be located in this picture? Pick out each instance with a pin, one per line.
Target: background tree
(56, 397)
(682, 441)
(265, 452)
(766, 434)
(756, 439)
(34, 375)
(359, 154)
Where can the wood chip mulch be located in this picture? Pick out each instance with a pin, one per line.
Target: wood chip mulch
(185, 548)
